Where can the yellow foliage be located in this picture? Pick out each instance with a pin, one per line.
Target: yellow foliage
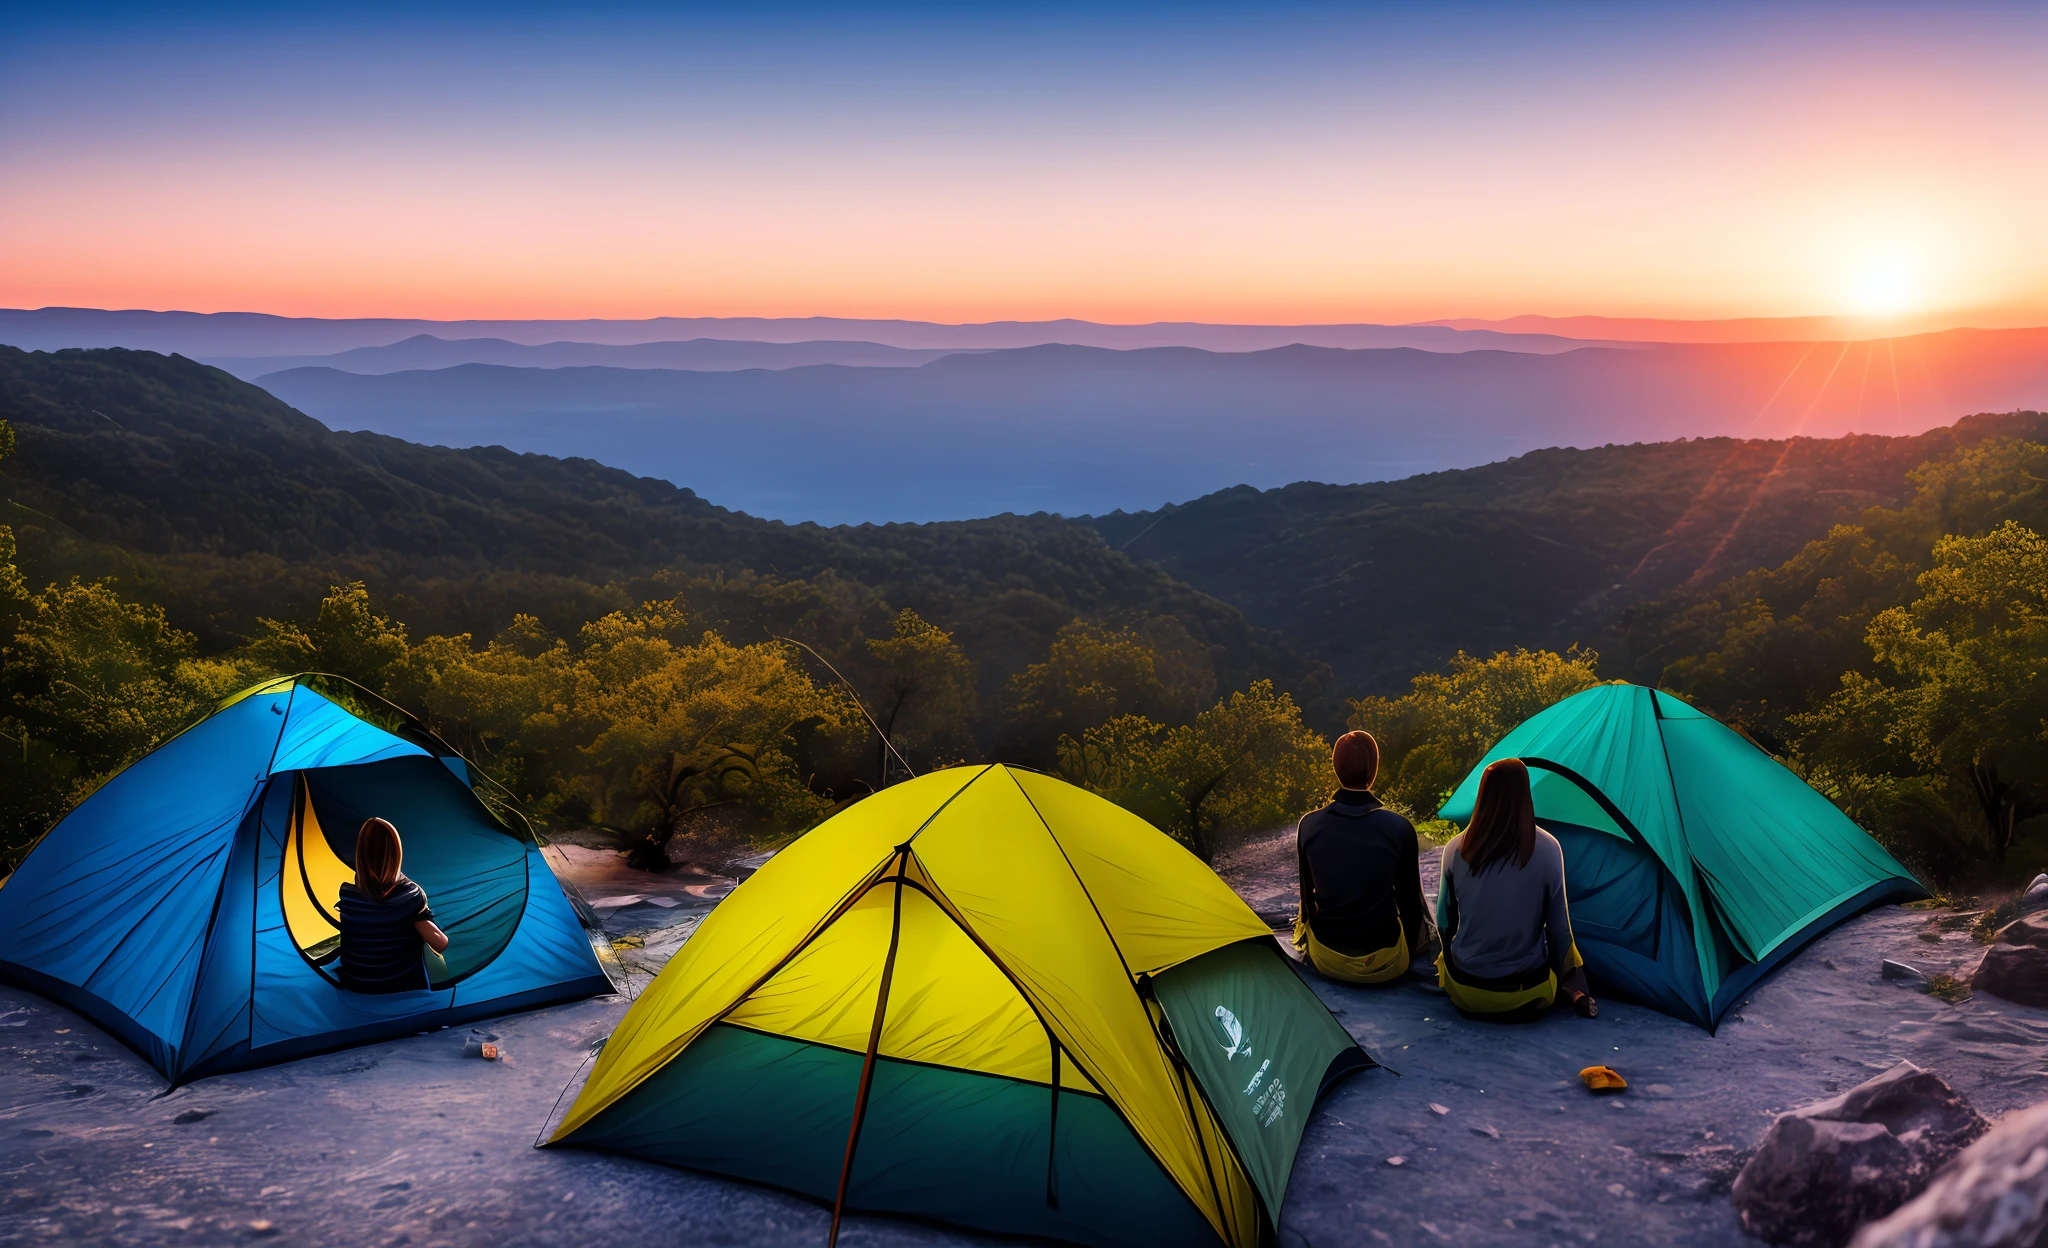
(1432, 736)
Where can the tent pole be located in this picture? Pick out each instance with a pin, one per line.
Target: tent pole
(1052, 1131)
(867, 1066)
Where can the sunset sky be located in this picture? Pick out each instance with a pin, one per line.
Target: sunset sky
(1135, 164)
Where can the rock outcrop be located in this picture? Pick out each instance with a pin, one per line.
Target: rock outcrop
(2016, 965)
(1826, 1169)
(1994, 1195)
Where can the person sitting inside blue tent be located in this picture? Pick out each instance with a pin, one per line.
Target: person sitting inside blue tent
(1508, 950)
(1362, 919)
(385, 918)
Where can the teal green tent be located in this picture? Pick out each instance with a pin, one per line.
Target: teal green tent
(1694, 861)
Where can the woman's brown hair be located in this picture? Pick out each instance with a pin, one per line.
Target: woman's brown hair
(1503, 818)
(378, 857)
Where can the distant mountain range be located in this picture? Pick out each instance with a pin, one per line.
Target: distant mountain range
(1079, 430)
(239, 335)
(844, 420)
(1658, 329)
(712, 355)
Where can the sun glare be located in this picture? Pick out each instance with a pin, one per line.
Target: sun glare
(1884, 287)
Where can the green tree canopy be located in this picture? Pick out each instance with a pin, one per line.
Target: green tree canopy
(1247, 764)
(923, 686)
(91, 681)
(1960, 692)
(347, 638)
(1095, 672)
(1770, 645)
(639, 724)
(1430, 737)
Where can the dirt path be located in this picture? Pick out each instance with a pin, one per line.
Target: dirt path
(409, 1143)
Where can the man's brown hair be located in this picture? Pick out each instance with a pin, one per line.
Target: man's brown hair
(1357, 759)
(379, 854)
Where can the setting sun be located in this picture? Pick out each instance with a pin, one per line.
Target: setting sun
(1885, 287)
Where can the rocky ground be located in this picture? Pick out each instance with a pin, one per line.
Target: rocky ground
(410, 1143)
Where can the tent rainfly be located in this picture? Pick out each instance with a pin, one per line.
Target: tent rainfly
(1694, 862)
(987, 998)
(188, 905)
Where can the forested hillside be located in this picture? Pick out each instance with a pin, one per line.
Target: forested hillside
(1389, 578)
(206, 494)
(1900, 659)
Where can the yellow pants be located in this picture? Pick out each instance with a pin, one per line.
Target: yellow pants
(1382, 966)
(1470, 1000)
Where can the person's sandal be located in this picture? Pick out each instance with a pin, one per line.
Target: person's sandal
(1586, 1006)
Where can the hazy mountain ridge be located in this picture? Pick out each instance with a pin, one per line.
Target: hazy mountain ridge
(1086, 430)
(209, 335)
(425, 351)
(1667, 329)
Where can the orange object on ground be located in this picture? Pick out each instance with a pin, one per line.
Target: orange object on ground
(490, 1053)
(1603, 1079)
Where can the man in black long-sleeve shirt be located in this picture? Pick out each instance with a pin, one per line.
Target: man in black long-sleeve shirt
(1363, 919)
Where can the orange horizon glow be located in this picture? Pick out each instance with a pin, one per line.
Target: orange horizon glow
(284, 253)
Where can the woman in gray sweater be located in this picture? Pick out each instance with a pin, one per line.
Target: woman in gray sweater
(1507, 929)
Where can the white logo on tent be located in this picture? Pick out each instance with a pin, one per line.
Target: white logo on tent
(1234, 1041)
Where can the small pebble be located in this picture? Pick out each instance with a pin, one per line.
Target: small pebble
(1397, 1161)
(1489, 1132)
(1435, 1108)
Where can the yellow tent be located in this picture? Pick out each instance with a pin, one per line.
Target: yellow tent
(880, 1017)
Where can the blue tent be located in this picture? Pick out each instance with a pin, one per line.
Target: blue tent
(187, 905)
(1694, 862)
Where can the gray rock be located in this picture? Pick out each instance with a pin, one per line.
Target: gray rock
(2016, 965)
(2036, 896)
(1993, 1195)
(1825, 1169)
(1813, 1181)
